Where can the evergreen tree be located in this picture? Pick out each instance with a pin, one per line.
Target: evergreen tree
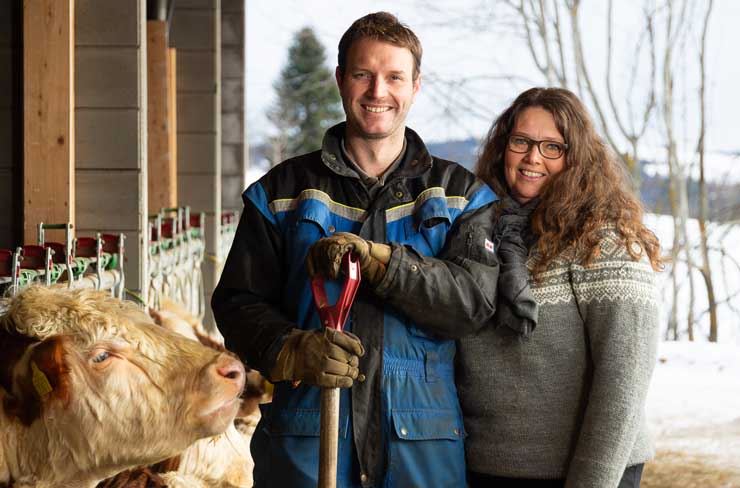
(308, 101)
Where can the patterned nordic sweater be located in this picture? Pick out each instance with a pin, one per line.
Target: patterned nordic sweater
(568, 401)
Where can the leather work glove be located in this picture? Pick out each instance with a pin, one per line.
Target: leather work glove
(325, 256)
(322, 357)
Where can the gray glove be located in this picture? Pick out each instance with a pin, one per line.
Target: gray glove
(517, 308)
(322, 357)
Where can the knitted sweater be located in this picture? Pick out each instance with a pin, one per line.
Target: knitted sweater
(568, 401)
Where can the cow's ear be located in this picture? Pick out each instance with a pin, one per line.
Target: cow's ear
(48, 369)
(45, 376)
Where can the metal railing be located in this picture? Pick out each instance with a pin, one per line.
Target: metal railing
(176, 249)
(90, 262)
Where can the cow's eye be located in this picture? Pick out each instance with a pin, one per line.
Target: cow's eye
(101, 356)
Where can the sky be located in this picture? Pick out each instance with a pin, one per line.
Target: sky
(458, 45)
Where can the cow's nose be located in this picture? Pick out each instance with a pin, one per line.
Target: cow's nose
(231, 369)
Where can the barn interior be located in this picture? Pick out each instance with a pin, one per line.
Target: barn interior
(122, 145)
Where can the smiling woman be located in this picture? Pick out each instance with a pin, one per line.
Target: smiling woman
(574, 391)
(528, 169)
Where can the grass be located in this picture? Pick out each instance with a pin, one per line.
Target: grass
(673, 469)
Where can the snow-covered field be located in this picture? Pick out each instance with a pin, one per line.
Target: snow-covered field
(694, 399)
(694, 413)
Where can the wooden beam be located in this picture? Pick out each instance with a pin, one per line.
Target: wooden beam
(162, 187)
(48, 123)
(172, 117)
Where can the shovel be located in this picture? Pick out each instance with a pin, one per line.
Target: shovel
(333, 316)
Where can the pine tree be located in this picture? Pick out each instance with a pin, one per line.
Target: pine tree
(308, 101)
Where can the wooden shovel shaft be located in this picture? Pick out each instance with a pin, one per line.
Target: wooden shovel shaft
(329, 440)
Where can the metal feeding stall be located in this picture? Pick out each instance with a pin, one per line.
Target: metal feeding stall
(83, 262)
(176, 253)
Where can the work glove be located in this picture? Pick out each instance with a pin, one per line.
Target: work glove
(325, 256)
(322, 357)
(517, 308)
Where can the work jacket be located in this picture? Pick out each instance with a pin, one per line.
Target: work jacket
(402, 426)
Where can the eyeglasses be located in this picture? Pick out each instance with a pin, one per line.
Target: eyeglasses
(549, 149)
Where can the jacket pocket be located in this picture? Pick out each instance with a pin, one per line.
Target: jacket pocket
(427, 449)
(310, 223)
(427, 230)
(415, 425)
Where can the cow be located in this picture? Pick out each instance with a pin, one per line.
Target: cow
(220, 462)
(90, 386)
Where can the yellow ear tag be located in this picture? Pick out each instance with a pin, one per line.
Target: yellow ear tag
(40, 381)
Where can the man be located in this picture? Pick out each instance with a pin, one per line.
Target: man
(373, 182)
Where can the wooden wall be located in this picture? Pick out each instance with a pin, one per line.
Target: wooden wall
(233, 137)
(111, 117)
(195, 33)
(107, 143)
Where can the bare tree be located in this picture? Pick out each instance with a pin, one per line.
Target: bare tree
(545, 27)
(643, 93)
(677, 182)
(706, 271)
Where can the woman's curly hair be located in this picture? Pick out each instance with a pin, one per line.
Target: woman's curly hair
(592, 191)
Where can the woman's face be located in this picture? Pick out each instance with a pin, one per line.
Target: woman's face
(526, 173)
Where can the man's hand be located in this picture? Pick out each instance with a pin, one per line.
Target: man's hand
(325, 256)
(328, 358)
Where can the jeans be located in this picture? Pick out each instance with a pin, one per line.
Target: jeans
(630, 479)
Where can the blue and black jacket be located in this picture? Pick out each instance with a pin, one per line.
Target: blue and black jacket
(403, 425)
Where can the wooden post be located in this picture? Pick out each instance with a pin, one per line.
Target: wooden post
(329, 437)
(172, 117)
(162, 178)
(48, 123)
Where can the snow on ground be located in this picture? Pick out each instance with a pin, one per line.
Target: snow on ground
(694, 399)
(693, 409)
(695, 386)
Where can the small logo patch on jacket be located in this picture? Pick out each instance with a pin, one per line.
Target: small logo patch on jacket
(489, 245)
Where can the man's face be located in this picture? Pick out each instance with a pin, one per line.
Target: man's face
(377, 88)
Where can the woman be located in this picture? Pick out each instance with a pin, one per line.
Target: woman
(564, 405)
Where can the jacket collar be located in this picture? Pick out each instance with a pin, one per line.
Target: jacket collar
(416, 161)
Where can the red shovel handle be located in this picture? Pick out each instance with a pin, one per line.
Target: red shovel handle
(334, 316)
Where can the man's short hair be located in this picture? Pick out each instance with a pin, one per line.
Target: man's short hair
(381, 26)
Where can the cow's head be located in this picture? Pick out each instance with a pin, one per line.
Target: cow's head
(91, 384)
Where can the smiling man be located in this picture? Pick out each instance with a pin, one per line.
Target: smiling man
(420, 226)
